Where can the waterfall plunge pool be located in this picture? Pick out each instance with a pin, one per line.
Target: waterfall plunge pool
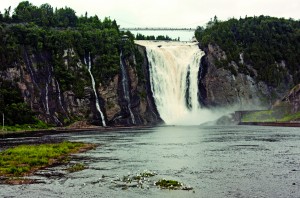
(216, 161)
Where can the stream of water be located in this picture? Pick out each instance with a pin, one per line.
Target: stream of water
(216, 161)
(126, 89)
(95, 92)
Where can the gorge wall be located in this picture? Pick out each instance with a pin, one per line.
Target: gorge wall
(222, 86)
(127, 99)
(41, 88)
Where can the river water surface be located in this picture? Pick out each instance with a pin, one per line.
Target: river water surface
(236, 161)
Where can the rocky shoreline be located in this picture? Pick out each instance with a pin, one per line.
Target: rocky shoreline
(275, 124)
(58, 130)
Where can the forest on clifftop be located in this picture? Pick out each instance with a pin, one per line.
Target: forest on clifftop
(270, 45)
(46, 33)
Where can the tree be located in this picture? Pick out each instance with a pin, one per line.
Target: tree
(66, 17)
(47, 15)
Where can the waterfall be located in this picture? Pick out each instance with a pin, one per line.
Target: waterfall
(174, 68)
(59, 96)
(31, 70)
(47, 90)
(126, 88)
(47, 99)
(94, 89)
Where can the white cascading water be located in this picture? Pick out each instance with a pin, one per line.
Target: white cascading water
(47, 91)
(47, 100)
(59, 96)
(174, 68)
(126, 89)
(94, 88)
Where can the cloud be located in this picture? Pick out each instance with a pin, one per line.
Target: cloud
(175, 13)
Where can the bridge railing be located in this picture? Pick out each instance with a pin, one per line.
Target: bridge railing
(156, 29)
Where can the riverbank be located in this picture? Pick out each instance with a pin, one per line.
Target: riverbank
(25, 160)
(58, 130)
(275, 124)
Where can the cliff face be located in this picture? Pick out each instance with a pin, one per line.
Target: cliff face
(54, 101)
(293, 99)
(224, 85)
(117, 108)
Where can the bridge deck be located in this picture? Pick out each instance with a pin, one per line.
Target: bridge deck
(157, 29)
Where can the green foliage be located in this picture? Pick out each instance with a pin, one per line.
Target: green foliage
(38, 125)
(158, 38)
(22, 159)
(169, 184)
(260, 116)
(42, 29)
(57, 41)
(139, 65)
(290, 117)
(276, 115)
(131, 53)
(264, 41)
(13, 106)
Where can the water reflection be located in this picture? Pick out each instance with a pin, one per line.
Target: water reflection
(216, 161)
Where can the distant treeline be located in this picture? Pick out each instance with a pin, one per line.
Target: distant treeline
(47, 16)
(158, 38)
(264, 42)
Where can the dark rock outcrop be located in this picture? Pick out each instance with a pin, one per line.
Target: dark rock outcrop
(223, 87)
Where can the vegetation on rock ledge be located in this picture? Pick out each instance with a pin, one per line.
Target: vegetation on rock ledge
(24, 159)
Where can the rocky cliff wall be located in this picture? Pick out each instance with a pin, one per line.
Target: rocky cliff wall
(224, 85)
(46, 90)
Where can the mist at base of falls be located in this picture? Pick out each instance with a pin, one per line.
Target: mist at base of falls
(173, 68)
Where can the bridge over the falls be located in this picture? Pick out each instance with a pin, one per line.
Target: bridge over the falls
(157, 29)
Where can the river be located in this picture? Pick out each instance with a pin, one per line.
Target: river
(216, 161)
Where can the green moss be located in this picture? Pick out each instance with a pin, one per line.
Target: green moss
(290, 117)
(23, 159)
(169, 184)
(278, 115)
(259, 116)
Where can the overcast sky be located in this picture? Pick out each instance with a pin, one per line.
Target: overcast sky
(174, 13)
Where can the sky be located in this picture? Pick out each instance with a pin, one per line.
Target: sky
(175, 13)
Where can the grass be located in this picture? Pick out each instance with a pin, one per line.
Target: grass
(25, 127)
(270, 116)
(24, 159)
(260, 116)
(290, 117)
